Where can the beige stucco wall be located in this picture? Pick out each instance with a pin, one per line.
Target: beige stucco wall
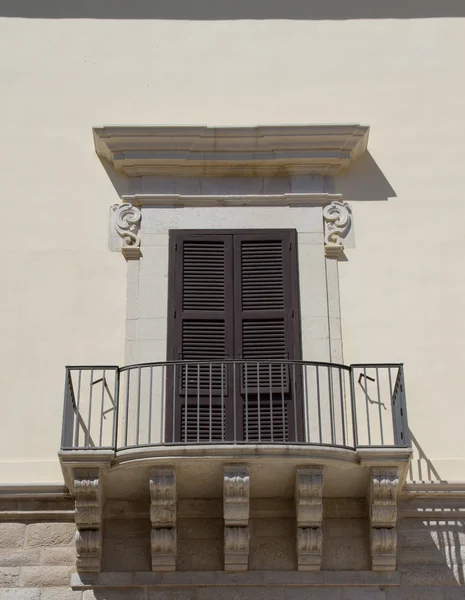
(64, 294)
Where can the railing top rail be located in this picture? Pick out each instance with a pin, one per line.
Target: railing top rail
(376, 365)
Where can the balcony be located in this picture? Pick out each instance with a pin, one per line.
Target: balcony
(307, 411)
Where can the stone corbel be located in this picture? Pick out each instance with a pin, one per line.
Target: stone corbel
(236, 510)
(309, 516)
(383, 517)
(337, 219)
(126, 219)
(88, 518)
(163, 517)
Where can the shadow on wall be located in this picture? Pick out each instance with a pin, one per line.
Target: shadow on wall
(364, 181)
(421, 468)
(227, 10)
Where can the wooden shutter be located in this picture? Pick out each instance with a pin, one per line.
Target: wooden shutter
(202, 330)
(266, 328)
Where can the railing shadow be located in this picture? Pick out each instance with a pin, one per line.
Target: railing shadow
(421, 468)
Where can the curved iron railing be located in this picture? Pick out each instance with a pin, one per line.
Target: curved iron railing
(234, 402)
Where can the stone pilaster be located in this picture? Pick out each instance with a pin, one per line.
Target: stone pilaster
(163, 516)
(309, 516)
(88, 517)
(383, 518)
(236, 510)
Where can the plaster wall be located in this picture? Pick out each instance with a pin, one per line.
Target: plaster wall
(65, 293)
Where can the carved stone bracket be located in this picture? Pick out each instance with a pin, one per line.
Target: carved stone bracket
(236, 510)
(337, 219)
(127, 223)
(383, 516)
(309, 516)
(163, 516)
(88, 518)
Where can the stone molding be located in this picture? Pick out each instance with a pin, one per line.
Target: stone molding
(236, 511)
(383, 518)
(88, 518)
(198, 200)
(225, 151)
(337, 219)
(163, 498)
(126, 220)
(309, 517)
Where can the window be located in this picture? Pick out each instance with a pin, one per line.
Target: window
(233, 297)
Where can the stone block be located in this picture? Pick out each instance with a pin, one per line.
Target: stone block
(346, 554)
(427, 575)
(200, 528)
(9, 577)
(58, 556)
(60, 593)
(12, 535)
(198, 555)
(45, 576)
(172, 594)
(50, 534)
(19, 594)
(19, 557)
(335, 528)
(273, 553)
(450, 593)
(416, 593)
(127, 554)
(273, 528)
(269, 593)
(365, 593)
(115, 594)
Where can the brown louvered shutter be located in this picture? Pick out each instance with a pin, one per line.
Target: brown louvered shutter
(266, 329)
(202, 330)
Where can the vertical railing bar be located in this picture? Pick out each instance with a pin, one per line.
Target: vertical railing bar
(331, 402)
(246, 402)
(223, 424)
(174, 403)
(66, 401)
(271, 400)
(393, 409)
(128, 382)
(307, 405)
(163, 404)
(90, 408)
(283, 407)
(234, 402)
(76, 432)
(258, 403)
(101, 408)
(353, 407)
(294, 398)
(342, 408)
(379, 406)
(210, 400)
(198, 402)
(186, 384)
(367, 407)
(139, 375)
(405, 428)
(116, 411)
(320, 432)
(149, 440)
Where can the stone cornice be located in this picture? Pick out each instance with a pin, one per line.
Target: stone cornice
(226, 151)
(185, 200)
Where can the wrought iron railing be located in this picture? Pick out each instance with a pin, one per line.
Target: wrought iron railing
(234, 402)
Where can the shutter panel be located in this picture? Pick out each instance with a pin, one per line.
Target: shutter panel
(202, 331)
(265, 313)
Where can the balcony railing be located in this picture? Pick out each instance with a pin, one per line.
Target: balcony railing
(234, 402)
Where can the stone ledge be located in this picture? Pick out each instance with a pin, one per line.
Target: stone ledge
(222, 579)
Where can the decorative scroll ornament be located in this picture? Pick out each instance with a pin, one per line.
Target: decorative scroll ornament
(163, 516)
(88, 517)
(337, 219)
(309, 515)
(383, 516)
(127, 223)
(236, 509)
